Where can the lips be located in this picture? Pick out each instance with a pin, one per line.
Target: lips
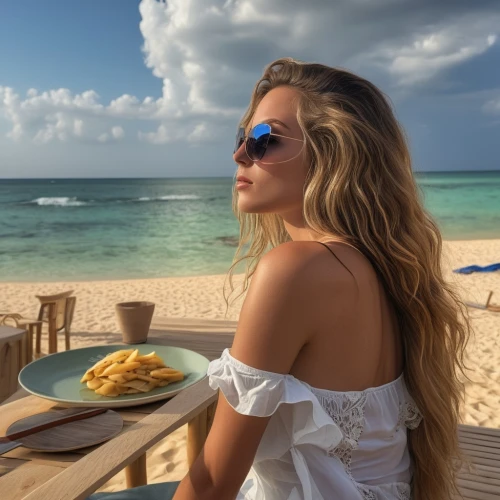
(240, 178)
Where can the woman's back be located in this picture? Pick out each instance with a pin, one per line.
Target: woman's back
(363, 316)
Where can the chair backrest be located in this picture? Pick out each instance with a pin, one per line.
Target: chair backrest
(70, 309)
(13, 318)
(62, 310)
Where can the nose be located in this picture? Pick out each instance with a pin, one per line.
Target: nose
(240, 156)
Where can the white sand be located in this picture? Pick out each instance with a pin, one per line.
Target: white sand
(201, 297)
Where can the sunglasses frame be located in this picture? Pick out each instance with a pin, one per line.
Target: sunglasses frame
(244, 138)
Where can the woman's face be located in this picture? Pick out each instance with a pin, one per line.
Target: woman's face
(276, 187)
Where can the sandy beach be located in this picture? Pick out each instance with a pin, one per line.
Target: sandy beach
(201, 297)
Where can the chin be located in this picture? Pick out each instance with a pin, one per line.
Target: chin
(252, 208)
(247, 209)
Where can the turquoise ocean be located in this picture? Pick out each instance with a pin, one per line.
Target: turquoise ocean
(85, 229)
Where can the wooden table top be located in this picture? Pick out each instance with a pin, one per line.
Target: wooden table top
(9, 333)
(207, 337)
(23, 471)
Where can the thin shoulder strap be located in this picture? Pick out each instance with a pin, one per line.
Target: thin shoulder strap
(333, 253)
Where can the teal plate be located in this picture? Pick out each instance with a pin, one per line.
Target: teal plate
(57, 376)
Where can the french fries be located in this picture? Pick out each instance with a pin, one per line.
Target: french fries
(127, 372)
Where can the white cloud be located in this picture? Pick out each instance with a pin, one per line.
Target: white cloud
(58, 126)
(10, 104)
(78, 127)
(61, 115)
(209, 54)
(161, 136)
(429, 54)
(202, 132)
(47, 116)
(117, 132)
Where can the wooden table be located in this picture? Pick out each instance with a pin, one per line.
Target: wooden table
(23, 471)
(15, 351)
(34, 328)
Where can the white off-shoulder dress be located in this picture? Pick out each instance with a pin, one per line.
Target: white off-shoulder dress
(321, 444)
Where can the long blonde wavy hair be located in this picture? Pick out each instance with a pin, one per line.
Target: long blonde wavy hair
(360, 188)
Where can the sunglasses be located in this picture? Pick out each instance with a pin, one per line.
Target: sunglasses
(258, 141)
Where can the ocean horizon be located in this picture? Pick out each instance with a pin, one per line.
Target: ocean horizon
(108, 228)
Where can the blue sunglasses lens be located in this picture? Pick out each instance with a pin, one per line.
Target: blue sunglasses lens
(257, 141)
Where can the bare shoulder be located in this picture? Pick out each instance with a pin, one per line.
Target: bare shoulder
(291, 256)
(296, 256)
(292, 287)
(276, 318)
(310, 263)
(331, 280)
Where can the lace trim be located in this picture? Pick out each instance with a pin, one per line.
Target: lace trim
(404, 491)
(348, 413)
(367, 494)
(409, 415)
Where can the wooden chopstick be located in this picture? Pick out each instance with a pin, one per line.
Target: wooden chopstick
(54, 423)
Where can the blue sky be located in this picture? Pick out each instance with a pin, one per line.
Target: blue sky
(78, 45)
(131, 88)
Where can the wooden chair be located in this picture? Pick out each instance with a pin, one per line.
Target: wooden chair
(56, 310)
(196, 406)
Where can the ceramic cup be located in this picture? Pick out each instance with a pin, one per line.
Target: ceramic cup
(134, 320)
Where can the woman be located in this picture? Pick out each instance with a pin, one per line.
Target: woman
(343, 378)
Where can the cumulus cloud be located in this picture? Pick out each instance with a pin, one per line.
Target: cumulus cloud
(59, 126)
(61, 115)
(47, 116)
(116, 133)
(209, 53)
(431, 53)
(161, 136)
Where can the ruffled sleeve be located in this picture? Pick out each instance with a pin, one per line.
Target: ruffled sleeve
(298, 417)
